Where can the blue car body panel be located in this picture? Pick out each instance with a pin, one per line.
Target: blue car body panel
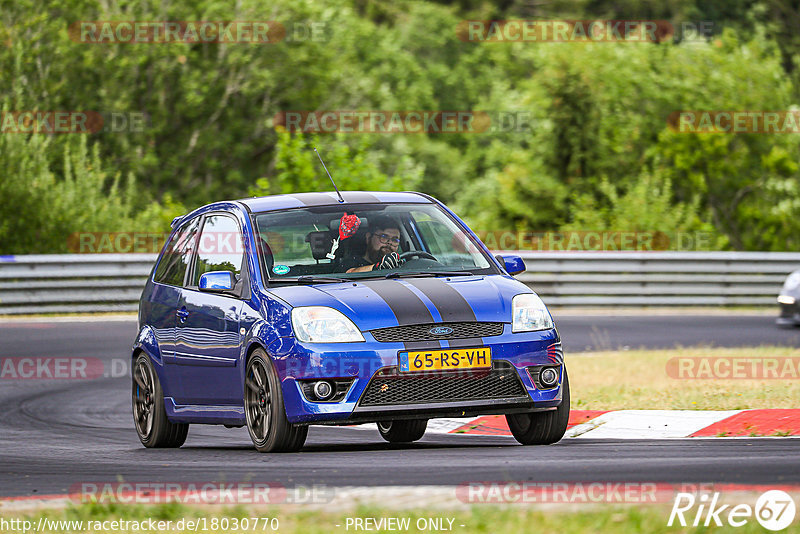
(199, 342)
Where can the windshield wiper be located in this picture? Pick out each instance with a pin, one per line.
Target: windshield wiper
(415, 274)
(310, 280)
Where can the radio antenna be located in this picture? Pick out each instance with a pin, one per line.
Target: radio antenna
(341, 200)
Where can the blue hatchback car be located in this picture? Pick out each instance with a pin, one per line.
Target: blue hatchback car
(285, 311)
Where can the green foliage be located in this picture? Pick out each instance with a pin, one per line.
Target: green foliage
(598, 154)
(518, 193)
(603, 157)
(647, 206)
(25, 226)
(298, 169)
(43, 207)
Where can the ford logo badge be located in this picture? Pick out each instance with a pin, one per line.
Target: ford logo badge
(440, 331)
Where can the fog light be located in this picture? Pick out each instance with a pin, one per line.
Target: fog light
(323, 390)
(548, 377)
(786, 299)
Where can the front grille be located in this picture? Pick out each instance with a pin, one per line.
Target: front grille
(421, 332)
(388, 387)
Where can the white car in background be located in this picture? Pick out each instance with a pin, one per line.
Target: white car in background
(788, 300)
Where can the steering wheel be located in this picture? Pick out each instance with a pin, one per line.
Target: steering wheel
(417, 253)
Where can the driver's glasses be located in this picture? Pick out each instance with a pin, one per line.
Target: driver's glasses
(388, 240)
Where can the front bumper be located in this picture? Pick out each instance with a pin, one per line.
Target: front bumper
(296, 362)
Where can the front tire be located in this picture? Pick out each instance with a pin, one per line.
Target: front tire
(542, 428)
(149, 415)
(265, 411)
(404, 431)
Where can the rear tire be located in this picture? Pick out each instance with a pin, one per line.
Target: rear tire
(149, 416)
(542, 428)
(265, 411)
(404, 431)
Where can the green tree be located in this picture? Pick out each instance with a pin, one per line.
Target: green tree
(45, 206)
(298, 169)
(646, 207)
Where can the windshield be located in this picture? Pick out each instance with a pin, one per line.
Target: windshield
(365, 241)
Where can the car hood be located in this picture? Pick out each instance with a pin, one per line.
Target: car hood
(380, 303)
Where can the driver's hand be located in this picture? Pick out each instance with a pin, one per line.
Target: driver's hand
(390, 261)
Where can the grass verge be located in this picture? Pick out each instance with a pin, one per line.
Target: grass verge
(639, 380)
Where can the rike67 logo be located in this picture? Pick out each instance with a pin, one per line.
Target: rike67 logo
(774, 510)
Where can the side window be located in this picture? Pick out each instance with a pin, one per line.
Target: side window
(220, 247)
(177, 254)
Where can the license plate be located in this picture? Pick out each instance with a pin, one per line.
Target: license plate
(442, 360)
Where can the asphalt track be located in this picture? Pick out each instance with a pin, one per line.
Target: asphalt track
(57, 434)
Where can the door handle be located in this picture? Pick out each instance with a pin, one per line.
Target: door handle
(182, 314)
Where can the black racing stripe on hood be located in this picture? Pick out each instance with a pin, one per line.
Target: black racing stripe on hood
(451, 306)
(407, 307)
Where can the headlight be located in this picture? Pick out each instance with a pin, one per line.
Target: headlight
(319, 324)
(792, 281)
(529, 313)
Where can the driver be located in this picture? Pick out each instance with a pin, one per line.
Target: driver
(383, 241)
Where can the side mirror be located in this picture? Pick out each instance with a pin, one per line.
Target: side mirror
(513, 264)
(216, 281)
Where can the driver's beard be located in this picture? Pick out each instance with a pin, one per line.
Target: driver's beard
(375, 255)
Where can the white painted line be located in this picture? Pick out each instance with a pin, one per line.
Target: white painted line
(648, 424)
(583, 428)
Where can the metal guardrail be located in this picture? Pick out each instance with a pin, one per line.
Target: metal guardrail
(72, 283)
(658, 278)
(113, 282)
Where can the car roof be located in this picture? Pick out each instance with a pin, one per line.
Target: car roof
(301, 200)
